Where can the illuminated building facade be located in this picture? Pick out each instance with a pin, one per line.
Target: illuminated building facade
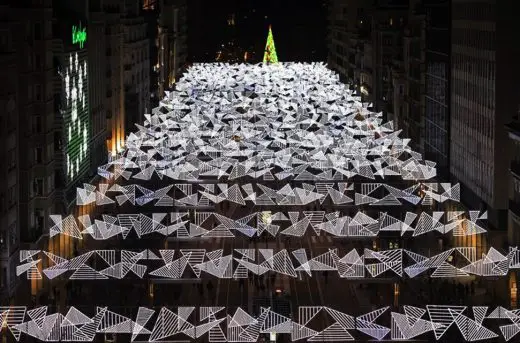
(73, 119)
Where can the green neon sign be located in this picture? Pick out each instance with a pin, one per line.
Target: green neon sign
(79, 35)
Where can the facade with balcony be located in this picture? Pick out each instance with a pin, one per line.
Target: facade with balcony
(136, 59)
(32, 40)
(437, 87)
(9, 188)
(484, 98)
(514, 193)
(172, 39)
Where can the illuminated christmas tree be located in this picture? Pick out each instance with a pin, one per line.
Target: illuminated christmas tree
(270, 51)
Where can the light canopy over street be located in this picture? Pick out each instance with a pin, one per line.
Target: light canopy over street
(266, 150)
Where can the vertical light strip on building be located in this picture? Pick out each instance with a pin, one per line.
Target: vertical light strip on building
(77, 118)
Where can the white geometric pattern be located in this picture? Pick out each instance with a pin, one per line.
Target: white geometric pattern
(259, 194)
(179, 224)
(240, 262)
(234, 122)
(218, 324)
(288, 135)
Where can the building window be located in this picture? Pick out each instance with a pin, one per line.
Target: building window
(38, 92)
(13, 234)
(4, 40)
(38, 187)
(11, 155)
(50, 186)
(39, 219)
(38, 155)
(37, 31)
(12, 195)
(37, 124)
(3, 241)
(37, 61)
(4, 277)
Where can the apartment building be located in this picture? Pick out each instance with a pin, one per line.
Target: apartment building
(171, 43)
(484, 97)
(437, 91)
(9, 189)
(136, 64)
(32, 40)
(114, 55)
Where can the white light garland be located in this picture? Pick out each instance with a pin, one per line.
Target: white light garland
(221, 324)
(76, 145)
(240, 263)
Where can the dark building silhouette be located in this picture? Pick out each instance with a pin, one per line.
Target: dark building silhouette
(484, 97)
(9, 150)
(437, 90)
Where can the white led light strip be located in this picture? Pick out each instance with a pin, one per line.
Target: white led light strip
(294, 223)
(171, 264)
(293, 121)
(220, 324)
(203, 195)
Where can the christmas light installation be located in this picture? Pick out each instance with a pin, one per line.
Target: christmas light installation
(244, 263)
(341, 223)
(79, 35)
(221, 324)
(264, 123)
(75, 109)
(270, 50)
(294, 140)
(314, 138)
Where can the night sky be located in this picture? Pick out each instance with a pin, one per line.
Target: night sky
(299, 28)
